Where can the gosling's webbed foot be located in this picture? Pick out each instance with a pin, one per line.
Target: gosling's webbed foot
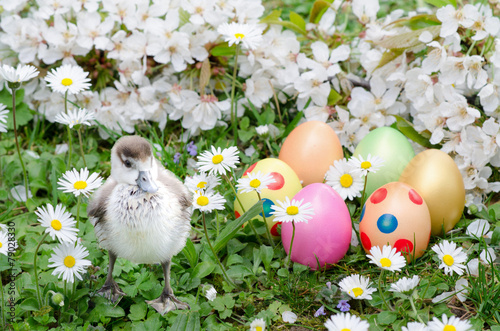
(111, 291)
(167, 302)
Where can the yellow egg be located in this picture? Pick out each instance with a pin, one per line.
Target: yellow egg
(286, 184)
(310, 149)
(436, 177)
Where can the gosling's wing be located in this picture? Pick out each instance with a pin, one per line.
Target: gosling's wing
(97, 206)
(167, 178)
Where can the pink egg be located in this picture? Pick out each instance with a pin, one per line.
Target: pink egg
(326, 237)
(397, 215)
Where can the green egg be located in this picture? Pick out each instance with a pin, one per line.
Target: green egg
(390, 145)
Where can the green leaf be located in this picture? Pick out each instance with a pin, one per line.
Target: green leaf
(232, 227)
(408, 39)
(495, 237)
(388, 56)
(239, 271)
(333, 97)
(283, 272)
(318, 9)
(30, 304)
(138, 311)
(293, 123)
(190, 253)
(417, 22)
(6, 97)
(407, 129)
(387, 317)
(442, 3)
(203, 269)
(266, 254)
(23, 116)
(298, 20)
(274, 18)
(223, 50)
(105, 310)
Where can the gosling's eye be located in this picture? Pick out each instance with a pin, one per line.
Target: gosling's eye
(127, 163)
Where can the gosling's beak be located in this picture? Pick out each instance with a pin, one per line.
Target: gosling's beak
(146, 183)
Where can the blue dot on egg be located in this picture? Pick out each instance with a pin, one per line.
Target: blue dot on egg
(387, 223)
(266, 204)
(362, 213)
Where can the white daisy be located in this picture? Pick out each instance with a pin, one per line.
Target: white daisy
(254, 182)
(250, 35)
(387, 258)
(79, 182)
(451, 257)
(218, 161)
(75, 117)
(68, 78)
(202, 182)
(405, 285)
(345, 179)
(69, 261)
(346, 321)
(4, 243)
(447, 324)
(357, 287)
(478, 229)
(415, 326)
(460, 291)
(208, 201)
(210, 292)
(20, 74)
(288, 316)
(258, 324)
(372, 163)
(3, 117)
(292, 211)
(59, 222)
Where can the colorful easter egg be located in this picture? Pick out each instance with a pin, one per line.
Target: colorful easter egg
(325, 238)
(286, 183)
(434, 174)
(310, 149)
(390, 145)
(397, 215)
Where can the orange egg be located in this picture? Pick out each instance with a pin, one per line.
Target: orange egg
(310, 149)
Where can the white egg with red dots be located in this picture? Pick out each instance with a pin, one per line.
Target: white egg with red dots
(395, 214)
(286, 184)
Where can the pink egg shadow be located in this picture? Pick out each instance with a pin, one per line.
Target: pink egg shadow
(326, 237)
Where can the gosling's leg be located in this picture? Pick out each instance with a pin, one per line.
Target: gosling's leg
(110, 289)
(167, 301)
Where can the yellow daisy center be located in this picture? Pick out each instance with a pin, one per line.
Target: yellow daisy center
(67, 81)
(346, 180)
(385, 262)
(448, 327)
(292, 210)
(56, 225)
(239, 36)
(1, 245)
(255, 183)
(217, 159)
(345, 329)
(366, 165)
(448, 260)
(357, 291)
(202, 201)
(69, 261)
(80, 185)
(201, 185)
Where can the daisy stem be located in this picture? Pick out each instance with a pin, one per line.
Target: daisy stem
(65, 289)
(3, 301)
(382, 293)
(215, 254)
(268, 232)
(25, 175)
(39, 298)
(289, 259)
(81, 146)
(415, 309)
(233, 90)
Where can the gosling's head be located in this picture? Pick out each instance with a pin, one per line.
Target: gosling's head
(133, 163)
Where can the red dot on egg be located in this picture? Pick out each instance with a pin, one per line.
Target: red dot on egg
(379, 195)
(250, 169)
(403, 245)
(415, 197)
(236, 214)
(365, 241)
(279, 181)
(274, 229)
